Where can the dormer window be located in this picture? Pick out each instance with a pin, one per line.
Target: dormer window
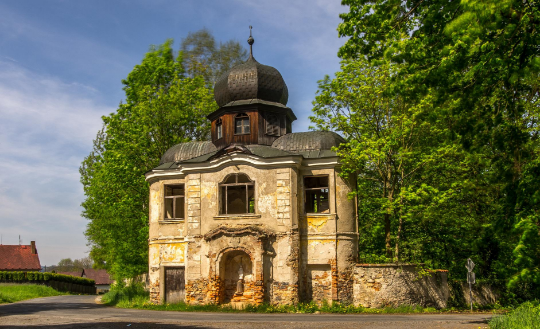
(237, 194)
(241, 124)
(219, 128)
(273, 125)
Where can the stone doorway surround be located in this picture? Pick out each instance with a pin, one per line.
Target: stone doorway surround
(230, 246)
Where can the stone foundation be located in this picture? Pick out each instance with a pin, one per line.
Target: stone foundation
(380, 285)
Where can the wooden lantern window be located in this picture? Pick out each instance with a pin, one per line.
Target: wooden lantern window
(273, 125)
(241, 124)
(219, 128)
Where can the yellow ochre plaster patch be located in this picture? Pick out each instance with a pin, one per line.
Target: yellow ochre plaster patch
(167, 252)
(312, 242)
(317, 221)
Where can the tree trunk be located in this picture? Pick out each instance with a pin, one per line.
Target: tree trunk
(400, 225)
(387, 216)
(388, 236)
(398, 235)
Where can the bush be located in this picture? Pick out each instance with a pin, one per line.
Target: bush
(126, 296)
(38, 276)
(526, 316)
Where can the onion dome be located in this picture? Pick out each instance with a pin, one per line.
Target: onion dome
(251, 80)
(308, 141)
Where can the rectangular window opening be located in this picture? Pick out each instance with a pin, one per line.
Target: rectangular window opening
(273, 125)
(241, 124)
(316, 194)
(174, 202)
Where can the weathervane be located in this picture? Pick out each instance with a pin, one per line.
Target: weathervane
(250, 41)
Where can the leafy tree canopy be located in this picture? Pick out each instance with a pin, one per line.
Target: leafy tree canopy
(471, 70)
(204, 57)
(164, 106)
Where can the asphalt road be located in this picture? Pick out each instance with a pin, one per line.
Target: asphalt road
(83, 312)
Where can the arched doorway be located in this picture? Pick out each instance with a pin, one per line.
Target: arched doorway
(237, 277)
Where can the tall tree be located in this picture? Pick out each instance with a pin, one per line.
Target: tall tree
(413, 183)
(163, 107)
(475, 62)
(204, 57)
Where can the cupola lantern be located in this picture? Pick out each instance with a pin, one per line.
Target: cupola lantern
(252, 100)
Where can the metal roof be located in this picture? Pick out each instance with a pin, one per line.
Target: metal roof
(251, 80)
(309, 145)
(308, 141)
(186, 151)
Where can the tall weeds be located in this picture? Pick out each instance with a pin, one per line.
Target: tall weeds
(526, 316)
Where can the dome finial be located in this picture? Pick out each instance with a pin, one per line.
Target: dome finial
(250, 41)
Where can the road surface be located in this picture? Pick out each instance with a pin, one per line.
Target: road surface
(82, 312)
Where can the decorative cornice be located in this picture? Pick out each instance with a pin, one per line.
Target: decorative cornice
(294, 160)
(229, 231)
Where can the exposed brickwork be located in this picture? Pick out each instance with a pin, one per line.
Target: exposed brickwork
(199, 291)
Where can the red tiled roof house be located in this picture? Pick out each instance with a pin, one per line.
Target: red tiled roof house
(102, 278)
(19, 258)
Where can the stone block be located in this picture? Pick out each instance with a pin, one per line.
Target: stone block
(194, 206)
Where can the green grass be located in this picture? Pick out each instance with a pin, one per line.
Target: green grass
(526, 316)
(11, 293)
(136, 297)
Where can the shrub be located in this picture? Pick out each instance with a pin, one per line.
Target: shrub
(20, 276)
(526, 316)
(125, 296)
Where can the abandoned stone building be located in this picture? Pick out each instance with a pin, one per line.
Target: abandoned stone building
(257, 214)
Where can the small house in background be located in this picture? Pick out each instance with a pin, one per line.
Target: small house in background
(19, 258)
(102, 278)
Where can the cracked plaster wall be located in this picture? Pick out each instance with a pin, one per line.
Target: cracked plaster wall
(282, 260)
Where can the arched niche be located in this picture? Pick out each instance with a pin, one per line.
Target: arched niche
(237, 277)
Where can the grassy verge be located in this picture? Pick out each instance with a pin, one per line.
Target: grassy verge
(11, 293)
(136, 297)
(526, 316)
(267, 308)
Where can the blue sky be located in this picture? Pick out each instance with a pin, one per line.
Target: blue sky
(61, 66)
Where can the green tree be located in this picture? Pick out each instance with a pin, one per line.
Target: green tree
(64, 265)
(478, 63)
(414, 189)
(82, 263)
(204, 57)
(163, 107)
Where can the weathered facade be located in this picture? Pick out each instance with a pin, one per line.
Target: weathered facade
(259, 214)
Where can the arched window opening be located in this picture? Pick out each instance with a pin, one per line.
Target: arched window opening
(237, 194)
(219, 128)
(241, 124)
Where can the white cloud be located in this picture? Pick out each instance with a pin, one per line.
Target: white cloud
(46, 130)
(48, 121)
